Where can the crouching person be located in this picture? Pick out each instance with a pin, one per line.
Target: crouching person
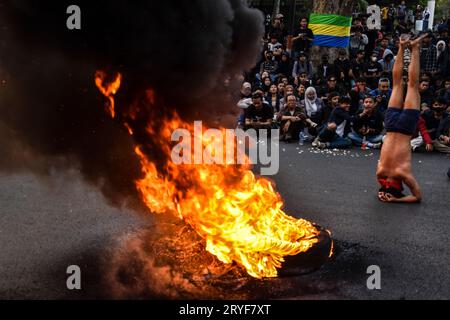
(334, 133)
(258, 115)
(292, 120)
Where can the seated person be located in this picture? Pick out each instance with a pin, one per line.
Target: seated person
(382, 94)
(368, 126)
(313, 108)
(292, 120)
(258, 115)
(334, 133)
(442, 142)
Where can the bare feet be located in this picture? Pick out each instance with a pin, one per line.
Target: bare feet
(416, 42)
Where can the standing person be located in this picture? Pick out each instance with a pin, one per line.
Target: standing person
(324, 70)
(401, 12)
(394, 167)
(357, 67)
(302, 39)
(358, 41)
(428, 55)
(342, 68)
(372, 71)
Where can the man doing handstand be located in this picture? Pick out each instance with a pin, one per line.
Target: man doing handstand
(394, 167)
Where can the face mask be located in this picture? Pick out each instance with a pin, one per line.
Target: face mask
(374, 59)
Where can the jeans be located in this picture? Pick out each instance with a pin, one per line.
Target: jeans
(333, 140)
(358, 139)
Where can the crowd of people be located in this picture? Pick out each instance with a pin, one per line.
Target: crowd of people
(341, 102)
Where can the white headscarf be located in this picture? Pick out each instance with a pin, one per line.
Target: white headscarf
(310, 105)
(437, 47)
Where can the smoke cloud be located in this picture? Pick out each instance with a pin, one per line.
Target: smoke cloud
(51, 113)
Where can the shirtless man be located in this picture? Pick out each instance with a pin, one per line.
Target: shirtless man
(394, 167)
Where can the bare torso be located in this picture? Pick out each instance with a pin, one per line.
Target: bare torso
(395, 159)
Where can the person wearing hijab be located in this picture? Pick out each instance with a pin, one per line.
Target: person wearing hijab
(313, 108)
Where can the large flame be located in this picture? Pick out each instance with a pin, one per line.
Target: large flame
(239, 215)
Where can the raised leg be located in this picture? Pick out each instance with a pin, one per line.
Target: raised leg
(398, 89)
(412, 100)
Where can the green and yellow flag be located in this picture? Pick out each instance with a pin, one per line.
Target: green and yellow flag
(330, 30)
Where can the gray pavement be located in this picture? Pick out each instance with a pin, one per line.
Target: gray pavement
(48, 224)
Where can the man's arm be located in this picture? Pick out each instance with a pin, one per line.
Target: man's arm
(416, 194)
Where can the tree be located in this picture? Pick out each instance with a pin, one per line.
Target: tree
(341, 7)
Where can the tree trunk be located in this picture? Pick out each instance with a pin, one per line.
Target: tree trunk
(341, 7)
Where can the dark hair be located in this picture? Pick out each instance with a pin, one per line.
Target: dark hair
(360, 51)
(330, 77)
(256, 95)
(361, 79)
(345, 99)
(333, 94)
(369, 97)
(440, 100)
(291, 95)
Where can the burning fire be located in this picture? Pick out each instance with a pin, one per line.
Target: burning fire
(108, 89)
(239, 215)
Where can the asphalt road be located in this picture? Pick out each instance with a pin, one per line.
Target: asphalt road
(49, 224)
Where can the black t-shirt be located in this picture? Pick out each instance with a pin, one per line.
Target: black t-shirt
(371, 69)
(431, 122)
(302, 44)
(358, 68)
(262, 114)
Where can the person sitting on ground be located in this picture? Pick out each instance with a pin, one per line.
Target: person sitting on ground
(273, 98)
(426, 95)
(387, 63)
(442, 143)
(331, 86)
(244, 103)
(288, 90)
(269, 65)
(394, 166)
(292, 120)
(368, 126)
(357, 95)
(331, 102)
(421, 140)
(434, 116)
(258, 115)
(313, 108)
(382, 94)
(334, 133)
(302, 65)
(301, 89)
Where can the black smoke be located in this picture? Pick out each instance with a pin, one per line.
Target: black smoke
(52, 115)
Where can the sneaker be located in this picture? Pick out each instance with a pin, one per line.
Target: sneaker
(316, 143)
(322, 145)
